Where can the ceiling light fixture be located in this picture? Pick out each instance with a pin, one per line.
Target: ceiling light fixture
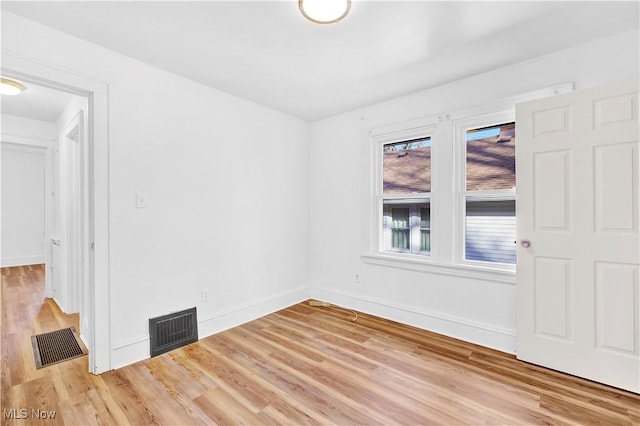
(324, 11)
(10, 87)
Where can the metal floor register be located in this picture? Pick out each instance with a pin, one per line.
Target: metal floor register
(57, 346)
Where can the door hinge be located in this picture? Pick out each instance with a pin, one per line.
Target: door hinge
(93, 246)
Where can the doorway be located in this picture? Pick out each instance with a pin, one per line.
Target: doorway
(45, 175)
(84, 139)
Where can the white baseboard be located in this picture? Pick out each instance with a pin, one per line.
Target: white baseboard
(250, 311)
(129, 352)
(460, 328)
(21, 260)
(137, 349)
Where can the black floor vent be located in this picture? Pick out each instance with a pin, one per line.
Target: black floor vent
(172, 331)
(57, 346)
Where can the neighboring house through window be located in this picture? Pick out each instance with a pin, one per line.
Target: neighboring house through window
(489, 197)
(406, 192)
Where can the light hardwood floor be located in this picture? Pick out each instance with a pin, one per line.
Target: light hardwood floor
(302, 365)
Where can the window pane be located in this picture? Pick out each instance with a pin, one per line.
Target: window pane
(491, 161)
(407, 167)
(400, 217)
(400, 228)
(425, 229)
(407, 225)
(490, 231)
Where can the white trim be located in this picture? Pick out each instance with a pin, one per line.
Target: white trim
(420, 263)
(15, 141)
(459, 328)
(22, 260)
(24, 148)
(400, 132)
(136, 349)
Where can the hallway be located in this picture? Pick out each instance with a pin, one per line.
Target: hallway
(25, 312)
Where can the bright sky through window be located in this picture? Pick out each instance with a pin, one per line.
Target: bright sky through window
(473, 135)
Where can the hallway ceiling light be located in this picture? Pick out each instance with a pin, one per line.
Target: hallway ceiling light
(324, 11)
(10, 87)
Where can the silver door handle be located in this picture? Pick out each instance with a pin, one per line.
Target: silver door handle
(525, 243)
(55, 241)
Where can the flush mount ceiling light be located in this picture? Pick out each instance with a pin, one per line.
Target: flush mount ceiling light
(324, 11)
(10, 87)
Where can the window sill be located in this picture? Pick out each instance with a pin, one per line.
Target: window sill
(415, 263)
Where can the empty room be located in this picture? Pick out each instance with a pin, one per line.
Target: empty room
(335, 212)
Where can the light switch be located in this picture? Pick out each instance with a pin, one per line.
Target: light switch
(141, 201)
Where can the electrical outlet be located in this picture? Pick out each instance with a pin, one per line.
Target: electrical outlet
(141, 201)
(204, 293)
(357, 281)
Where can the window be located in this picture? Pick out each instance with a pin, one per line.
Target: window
(406, 193)
(489, 196)
(457, 170)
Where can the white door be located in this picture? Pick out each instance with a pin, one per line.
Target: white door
(67, 218)
(72, 138)
(55, 263)
(578, 255)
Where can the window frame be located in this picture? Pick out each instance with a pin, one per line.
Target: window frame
(460, 157)
(397, 134)
(447, 232)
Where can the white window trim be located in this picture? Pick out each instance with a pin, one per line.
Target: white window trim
(442, 129)
(414, 262)
(383, 136)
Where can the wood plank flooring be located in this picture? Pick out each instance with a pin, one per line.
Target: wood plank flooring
(301, 366)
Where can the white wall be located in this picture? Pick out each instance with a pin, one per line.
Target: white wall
(23, 228)
(477, 310)
(226, 182)
(241, 204)
(25, 131)
(23, 189)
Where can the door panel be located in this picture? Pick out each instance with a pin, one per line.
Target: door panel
(552, 190)
(577, 292)
(616, 196)
(617, 305)
(553, 284)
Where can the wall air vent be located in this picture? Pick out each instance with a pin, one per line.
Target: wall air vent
(172, 331)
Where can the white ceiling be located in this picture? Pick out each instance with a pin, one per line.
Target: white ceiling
(265, 51)
(37, 103)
